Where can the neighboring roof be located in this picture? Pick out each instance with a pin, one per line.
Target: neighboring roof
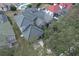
(4, 7)
(5, 26)
(54, 8)
(32, 32)
(6, 29)
(3, 18)
(6, 32)
(62, 4)
(68, 6)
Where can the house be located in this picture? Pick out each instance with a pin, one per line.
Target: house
(7, 36)
(27, 27)
(30, 22)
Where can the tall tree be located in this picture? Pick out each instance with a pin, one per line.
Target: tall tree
(64, 33)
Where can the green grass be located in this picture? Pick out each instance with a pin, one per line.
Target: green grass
(66, 34)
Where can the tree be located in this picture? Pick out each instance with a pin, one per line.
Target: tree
(29, 6)
(7, 52)
(13, 8)
(38, 5)
(64, 33)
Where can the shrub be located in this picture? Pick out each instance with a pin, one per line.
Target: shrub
(63, 33)
(38, 5)
(29, 6)
(13, 8)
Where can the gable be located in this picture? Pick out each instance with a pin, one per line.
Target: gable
(32, 32)
(35, 32)
(19, 19)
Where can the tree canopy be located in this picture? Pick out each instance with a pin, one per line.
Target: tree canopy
(64, 33)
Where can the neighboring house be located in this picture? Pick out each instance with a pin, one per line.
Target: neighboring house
(7, 36)
(5, 7)
(55, 9)
(67, 6)
(21, 6)
(59, 9)
(31, 21)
